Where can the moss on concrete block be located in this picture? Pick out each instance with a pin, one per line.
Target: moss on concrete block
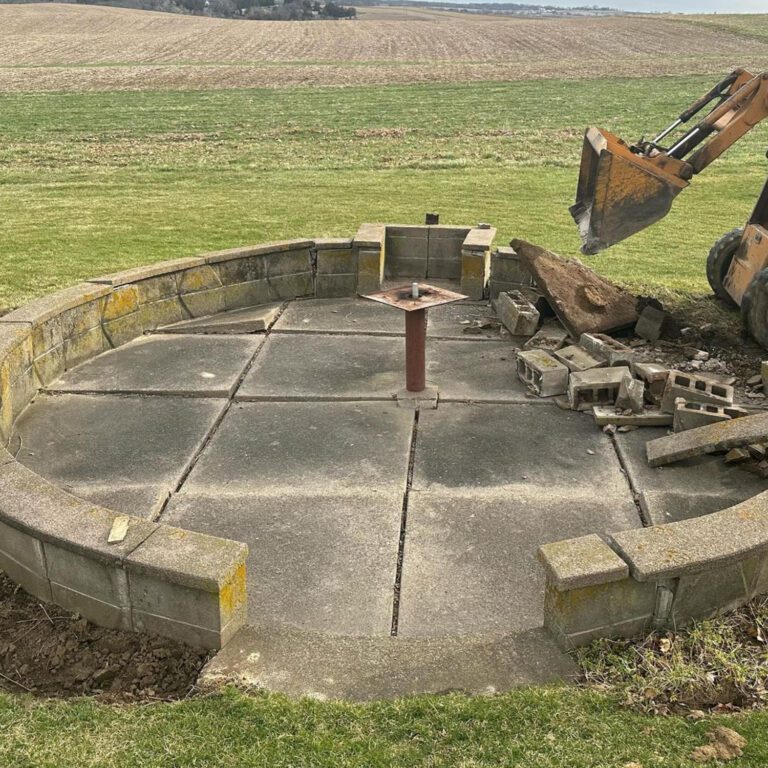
(581, 562)
(46, 307)
(123, 329)
(81, 319)
(159, 288)
(121, 301)
(78, 349)
(204, 303)
(49, 366)
(202, 278)
(47, 336)
(164, 312)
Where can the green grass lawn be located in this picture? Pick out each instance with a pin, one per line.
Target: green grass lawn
(95, 182)
(563, 728)
(90, 183)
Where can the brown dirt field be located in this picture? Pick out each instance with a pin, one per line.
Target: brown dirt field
(70, 47)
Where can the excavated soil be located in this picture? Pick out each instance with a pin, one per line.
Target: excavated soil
(52, 653)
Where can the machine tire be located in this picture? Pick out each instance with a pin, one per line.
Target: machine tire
(754, 308)
(719, 261)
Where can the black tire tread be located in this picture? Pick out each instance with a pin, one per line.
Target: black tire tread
(719, 260)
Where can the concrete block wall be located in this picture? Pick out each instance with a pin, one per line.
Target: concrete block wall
(663, 576)
(335, 268)
(509, 273)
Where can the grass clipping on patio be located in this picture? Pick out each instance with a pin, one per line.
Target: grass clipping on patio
(716, 664)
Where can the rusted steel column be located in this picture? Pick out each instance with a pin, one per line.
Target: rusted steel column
(415, 347)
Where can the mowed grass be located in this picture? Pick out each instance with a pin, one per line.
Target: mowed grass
(94, 182)
(534, 728)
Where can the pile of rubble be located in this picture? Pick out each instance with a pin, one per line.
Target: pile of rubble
(570, 356)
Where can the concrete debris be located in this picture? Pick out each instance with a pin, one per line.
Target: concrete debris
(603, 346)
(694, 389)
(541, 373)
(631, 395)
(714, 438)
(691, 415)
(756, 451)
(652, 323)
(583, 301)
(655, 378)
(764, 374)
(755, 381)
(516, 313)
(737, 456)
(577, 359)
(119, 529)
(759, 468)
(551, 336)
(598, 386)
(649, 418)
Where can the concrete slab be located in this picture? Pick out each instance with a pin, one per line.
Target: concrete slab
(317, 563)
(341, 316)
(113, 441)
(247, 320)
(165, 364)
(306, 448)
(322, 666)
(461, 447)
(467, 371)
(686, 489)
(144, 501)
(463, 320)
(330, 367)
(470, 559)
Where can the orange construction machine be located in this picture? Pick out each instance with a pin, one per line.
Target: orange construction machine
(624, 188)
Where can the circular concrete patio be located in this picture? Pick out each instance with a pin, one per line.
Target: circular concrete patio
(276, 426)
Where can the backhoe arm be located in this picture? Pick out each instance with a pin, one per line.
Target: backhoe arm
(625, 188)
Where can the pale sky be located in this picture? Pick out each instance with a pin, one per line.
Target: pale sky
(674, 6)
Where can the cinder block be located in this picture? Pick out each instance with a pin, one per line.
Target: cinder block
(335, 262)
(541, 373)
(81, 319)
(475, 272)
(370, 270)
(122, 301)
(123, 329)
(164, 312)
(247, 269)
(202, 278)
(650, 324)
(577, 359)
(517, 314)
(694, 389)
(246, 294)
(598, 386)
(407, 248)
(335, 286)
(692, 415)
(291, 286)
(508, 267)
(22, 558)
(551, 336)
(288, 263)
(609, 415)
(22, 390)
(46, 336)
(204, 303)
(78, 349)
(158, 288)
(655, 378)
(631, 395)
(50, 365)
(606, 347)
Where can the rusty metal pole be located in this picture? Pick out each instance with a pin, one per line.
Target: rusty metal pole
(415, 350)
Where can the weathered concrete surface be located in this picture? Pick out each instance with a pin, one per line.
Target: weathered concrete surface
(687, 489)
(341, 316)
(709, 439)
(504, 446)
(463, 320)
(170, 364)
(583, 301)
(323, 563)
(321, 666)
(281, 447)
(247, 320)
(144, 501)
(331, 367)
(582, 562)
(470, 560)
(117, 441)
(464, 371)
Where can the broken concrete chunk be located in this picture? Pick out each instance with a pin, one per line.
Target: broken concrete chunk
(651, 323)
(694, 389)
(631, 395)
(655, 378)
(551, 336)
(737, 456)
(247, 320)
(602, 345)
(577, 359)
(582, 300)
(759, 468)
(756, 451)
(713, 438)
(599, 386)
(541, 373)
(692, 415)
(610, 415)
(516, 313)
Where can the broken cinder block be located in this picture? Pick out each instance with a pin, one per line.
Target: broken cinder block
(631, 395)
(541, 373)
(516, 313)
(610, 415)
(650, 324)
(577, 359)
(602, 345)
(599, 386)
(655, 377)
(691, 415)
(551, 336)
(694, 389)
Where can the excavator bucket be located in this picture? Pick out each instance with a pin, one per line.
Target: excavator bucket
(619, 192)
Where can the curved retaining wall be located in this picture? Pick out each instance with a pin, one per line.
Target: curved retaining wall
(176, 583)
